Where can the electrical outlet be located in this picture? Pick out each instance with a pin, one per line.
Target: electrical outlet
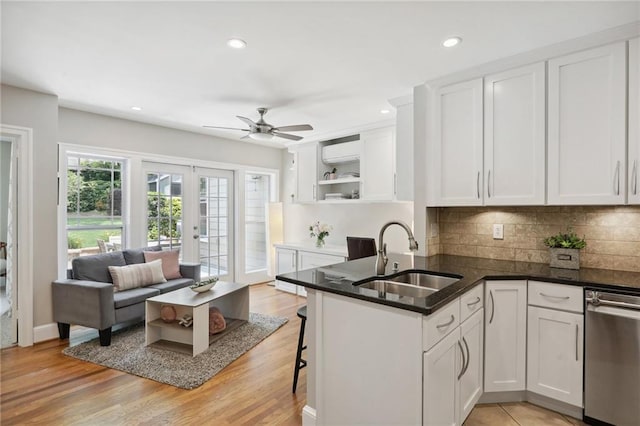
(498, 231)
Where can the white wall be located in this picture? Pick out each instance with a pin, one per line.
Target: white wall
(39, 112)
(84, 128)
(5, 162)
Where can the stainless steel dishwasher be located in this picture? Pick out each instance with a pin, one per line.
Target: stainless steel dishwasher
(612, 359)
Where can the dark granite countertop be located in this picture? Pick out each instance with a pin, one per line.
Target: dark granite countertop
(339, 278)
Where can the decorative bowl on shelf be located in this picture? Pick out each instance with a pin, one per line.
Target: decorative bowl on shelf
(206, 285)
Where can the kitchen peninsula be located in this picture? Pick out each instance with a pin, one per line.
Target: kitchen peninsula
(379, 358)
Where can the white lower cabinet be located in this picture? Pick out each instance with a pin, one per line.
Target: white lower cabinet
(293, 260)
(453, 374)
(505, 336)
(286, 262)
(555, 354)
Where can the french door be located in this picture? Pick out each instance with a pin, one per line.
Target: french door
(191, 209)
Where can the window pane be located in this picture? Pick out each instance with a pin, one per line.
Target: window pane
(164, 210)
(256, 197)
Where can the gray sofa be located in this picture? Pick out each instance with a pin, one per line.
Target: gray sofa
(87, 298)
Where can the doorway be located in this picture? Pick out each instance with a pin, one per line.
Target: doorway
(192, 209)
(8, 317)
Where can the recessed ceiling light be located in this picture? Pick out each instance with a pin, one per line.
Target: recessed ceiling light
(384, 111)
(136, 108)
(237, 43)
(451, 41)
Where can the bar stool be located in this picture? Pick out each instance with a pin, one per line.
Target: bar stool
(300, 363)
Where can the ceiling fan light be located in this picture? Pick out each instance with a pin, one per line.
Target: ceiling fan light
(261, 136)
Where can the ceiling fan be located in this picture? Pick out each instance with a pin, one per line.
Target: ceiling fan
(263, 131)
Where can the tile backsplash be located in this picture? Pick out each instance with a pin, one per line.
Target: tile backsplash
(612, 233)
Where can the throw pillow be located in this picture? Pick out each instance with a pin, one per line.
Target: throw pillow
(137, 275)
(170, 262)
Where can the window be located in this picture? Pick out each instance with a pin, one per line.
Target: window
(257, 195)
(94, 205)
(164, 210)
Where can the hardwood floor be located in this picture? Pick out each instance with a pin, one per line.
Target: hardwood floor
(39, 385)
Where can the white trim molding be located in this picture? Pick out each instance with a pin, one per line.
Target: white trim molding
(308, 416)
(23, 138)
(45, 332)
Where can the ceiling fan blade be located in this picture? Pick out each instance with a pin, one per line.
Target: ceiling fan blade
(227, 128)
(246, 120)
(287, 136)
(294, 128)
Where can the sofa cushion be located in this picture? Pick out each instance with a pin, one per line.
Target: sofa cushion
(172, 284)
(170, 262)
(96, 267)
(133, 296)
(137, 275)
(132, 256)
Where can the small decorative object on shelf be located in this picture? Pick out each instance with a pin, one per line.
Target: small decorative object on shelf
(330, 175)
(205, 285)
(168, 313)
(319, 232)
(564, 249)
(186, 320)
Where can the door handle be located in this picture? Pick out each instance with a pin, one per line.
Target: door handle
(616, 182)
(634, 177)
(447, 324)
(464, 362)
(478, 185)
(466, 367)
(577, 330)
(196, 236)
(493, 306)
(489, 183)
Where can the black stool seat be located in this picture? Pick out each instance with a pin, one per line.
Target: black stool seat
(300, 363)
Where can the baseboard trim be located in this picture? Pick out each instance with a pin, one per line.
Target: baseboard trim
(504, 396)
(555, 405)
(45, 332)
(308, 416)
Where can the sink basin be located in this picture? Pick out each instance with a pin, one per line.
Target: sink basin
(409, 284)
(435, 282)
(400, 289)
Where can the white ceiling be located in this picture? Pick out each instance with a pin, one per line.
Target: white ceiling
(332, 65)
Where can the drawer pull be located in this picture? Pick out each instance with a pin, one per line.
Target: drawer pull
(446, 324)
(555, 297)
(475, 302)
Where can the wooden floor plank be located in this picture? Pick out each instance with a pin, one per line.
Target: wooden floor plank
(40, 385)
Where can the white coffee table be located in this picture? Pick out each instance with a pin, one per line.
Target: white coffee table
(231, 298)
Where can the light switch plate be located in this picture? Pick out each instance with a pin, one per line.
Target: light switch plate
(498, 231)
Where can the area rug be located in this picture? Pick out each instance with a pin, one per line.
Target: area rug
(128, 353)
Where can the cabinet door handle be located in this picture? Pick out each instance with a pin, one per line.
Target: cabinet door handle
(577, 330)
(446, 324)
(634, 177)
(478, 185)
(493, 306)
(475, 302)
(489, 183)
(464, 361)
(555, 297)
(466, 366)
(616, 182)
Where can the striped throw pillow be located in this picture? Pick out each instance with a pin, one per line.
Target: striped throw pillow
(136, 275)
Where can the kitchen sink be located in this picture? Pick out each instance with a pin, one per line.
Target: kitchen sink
(431, 281)
(400, 289)
(409, 284)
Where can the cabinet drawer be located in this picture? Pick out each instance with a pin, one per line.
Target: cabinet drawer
(440, 323)
(471, 301)
(556, 296)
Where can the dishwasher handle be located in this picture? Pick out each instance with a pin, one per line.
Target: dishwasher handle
(633, 314)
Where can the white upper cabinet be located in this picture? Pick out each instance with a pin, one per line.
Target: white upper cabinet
(634, 121)
(377, 166)
(307, 173)
(587, 99)
(457, 145)
(514, 137)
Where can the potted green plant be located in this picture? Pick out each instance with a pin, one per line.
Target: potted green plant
(564, 249)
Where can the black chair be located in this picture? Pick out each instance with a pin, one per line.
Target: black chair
(300, 363)
(358, 247)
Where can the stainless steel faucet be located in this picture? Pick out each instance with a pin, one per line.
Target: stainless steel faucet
(381, 261)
